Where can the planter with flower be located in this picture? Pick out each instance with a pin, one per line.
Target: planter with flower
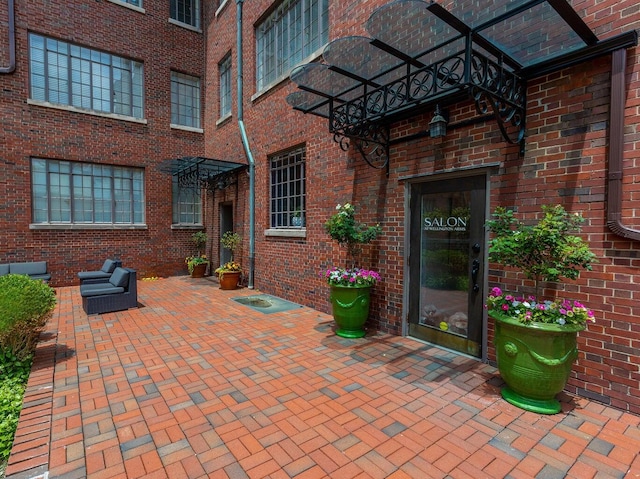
(197, 264)
(350, 287)
(229, 273)
(535, 339)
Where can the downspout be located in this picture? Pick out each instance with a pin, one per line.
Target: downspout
(12, 40)
(616, 147)
(247, 148)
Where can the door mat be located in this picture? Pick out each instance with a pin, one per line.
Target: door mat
(266, 303)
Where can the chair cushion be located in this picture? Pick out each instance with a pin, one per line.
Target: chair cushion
(94, 275)
(4, 269)
(35, 267)
(120, 278)
(99, 289)
(109, 266)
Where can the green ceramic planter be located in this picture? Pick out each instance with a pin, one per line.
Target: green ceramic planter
(534, 361)
(350, 309)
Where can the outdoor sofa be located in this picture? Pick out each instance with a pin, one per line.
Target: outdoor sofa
(102, 275)
(120, 292)
(34, 269)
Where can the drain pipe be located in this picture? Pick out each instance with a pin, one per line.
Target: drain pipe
(616, 147)
(247, 148)
(12, 40)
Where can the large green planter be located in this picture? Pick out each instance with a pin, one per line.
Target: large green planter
(534, 361)
(350, 309)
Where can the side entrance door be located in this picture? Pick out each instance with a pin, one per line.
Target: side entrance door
(446, 261)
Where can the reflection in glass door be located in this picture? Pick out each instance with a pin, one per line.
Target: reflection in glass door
(446, 258)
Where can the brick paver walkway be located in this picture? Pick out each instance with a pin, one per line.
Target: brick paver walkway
(196, 385)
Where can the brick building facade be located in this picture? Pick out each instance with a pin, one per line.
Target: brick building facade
(61, 130)
(566, 158)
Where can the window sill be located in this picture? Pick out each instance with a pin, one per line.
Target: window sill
(223, 119)
(86, 226)
(186, 128)
(127, 5)
(286, 232)
(113, 116)
(221, 7)
(186, 226)
(185, 25)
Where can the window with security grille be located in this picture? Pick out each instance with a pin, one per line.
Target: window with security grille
(186, 11)
(86, 193)
(292, 32)
(225, 86)
(67, 74)
(185, 100)
(288, 197)
(187, 205)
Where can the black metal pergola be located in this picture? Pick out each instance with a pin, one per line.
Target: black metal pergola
(202, 173)
(421, 55)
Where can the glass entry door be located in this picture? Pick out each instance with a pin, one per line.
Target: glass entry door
(446, 261)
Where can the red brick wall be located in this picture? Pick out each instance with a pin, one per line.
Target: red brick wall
(35, 131)
(565, 162)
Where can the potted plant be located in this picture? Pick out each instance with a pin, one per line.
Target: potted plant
(535, 339)
(297, 219)
(197, 264)
(229, 273)
(350, 287)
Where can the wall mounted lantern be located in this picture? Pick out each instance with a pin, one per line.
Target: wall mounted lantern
(438, 124)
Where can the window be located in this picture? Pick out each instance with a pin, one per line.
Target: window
(185, 100)
(225, 86)
(187, 206)
(186, 11)
(288, 196)
(69, 192)
(135, 3)
(295, 30)
(67, 74)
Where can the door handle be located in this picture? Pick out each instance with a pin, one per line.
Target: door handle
(475, 269)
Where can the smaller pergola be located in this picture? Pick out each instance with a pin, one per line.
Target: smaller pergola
(202, 173)
(421, 55)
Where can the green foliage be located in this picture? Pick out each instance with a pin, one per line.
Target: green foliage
(545, 251)
(25, 306)
(343, 227)
(14, 374)
(231, 241)
(199, 239)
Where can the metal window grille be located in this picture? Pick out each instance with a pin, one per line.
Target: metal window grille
(225, 86)
(68, 74)
(186, 11)
(288, 197)
(85, 193)
(294, 30)
(185, 100)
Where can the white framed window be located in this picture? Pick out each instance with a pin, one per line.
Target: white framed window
(224, 68)
(135, 3)
(86, 193)
(187, 205)
(287, 189)
(185, 100)
(67, 74)
(186, 11)
(292, 32)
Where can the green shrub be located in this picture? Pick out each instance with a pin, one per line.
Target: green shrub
(14, 374)
(25, 306)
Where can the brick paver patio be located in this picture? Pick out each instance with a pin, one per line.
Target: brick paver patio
(195, 385)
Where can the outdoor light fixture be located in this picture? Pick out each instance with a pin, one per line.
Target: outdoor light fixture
(438, 124)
